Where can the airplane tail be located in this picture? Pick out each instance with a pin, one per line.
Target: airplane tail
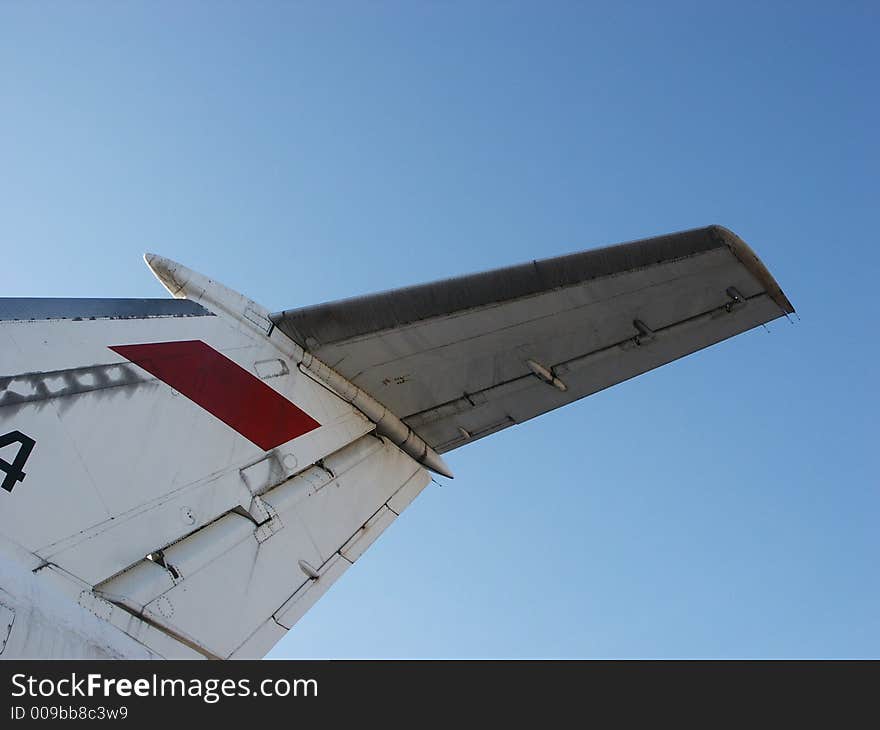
(196, 472)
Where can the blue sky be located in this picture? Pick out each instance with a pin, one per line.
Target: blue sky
(726, 505)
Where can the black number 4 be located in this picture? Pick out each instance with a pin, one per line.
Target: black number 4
(14, 471)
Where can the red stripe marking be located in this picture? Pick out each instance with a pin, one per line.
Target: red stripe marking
(224, 389)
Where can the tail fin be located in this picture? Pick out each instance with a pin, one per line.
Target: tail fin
(173, 471)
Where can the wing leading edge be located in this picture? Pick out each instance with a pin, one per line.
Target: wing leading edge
(461, 358)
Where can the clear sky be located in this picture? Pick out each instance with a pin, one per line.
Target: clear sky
(726, 505)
